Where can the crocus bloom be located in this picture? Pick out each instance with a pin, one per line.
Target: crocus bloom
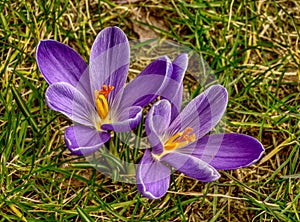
(95, 97)
(182, 142)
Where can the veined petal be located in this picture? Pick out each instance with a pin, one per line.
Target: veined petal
(152, 177)
(191, 166)
(175, 100)
(202, 113)
(173, 92)
(65, 98)
(127, 120)
(109, 61)
(149, 84)
(59, 63)
(227, 151)
(180, 64)
(157, 121)
(82, 140)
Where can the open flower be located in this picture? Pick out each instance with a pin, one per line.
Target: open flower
(95, 97)
(181, 142)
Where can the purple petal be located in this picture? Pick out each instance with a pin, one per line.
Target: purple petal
(173, 92)
(65, 98)
(152, 177)
(227, 151)
(59, 63)
(149, 84)
(191, 166)
(127, 120)
(202, 113)
(109, 60)
(157, 121)
(175, 100)
(82, 140)
(180, 64)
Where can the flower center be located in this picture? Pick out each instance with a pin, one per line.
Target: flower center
(101, 100)
(180, 139)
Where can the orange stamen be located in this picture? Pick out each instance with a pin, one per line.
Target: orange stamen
(101, 100)
(180, 139)
(106, 90)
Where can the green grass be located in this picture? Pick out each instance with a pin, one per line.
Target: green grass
(253, 48)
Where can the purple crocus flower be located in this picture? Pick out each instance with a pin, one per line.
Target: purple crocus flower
(181, 141)
(94, 97)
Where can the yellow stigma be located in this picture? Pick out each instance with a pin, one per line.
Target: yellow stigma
(101, 100)
(180, 139)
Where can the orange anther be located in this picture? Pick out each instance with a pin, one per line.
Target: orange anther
(180, 139)
(101, 100)
(106, 90)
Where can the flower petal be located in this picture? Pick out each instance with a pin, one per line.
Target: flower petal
(180, 65)
(157, 121)
(109, 60)
(173, 92)
(82, 140)
(149, 84)
(175, 100)
(127, 120)
(227, 151)
(191, 166)
(152, 177)
(202, 113)
(59, 63)
(65, 98)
